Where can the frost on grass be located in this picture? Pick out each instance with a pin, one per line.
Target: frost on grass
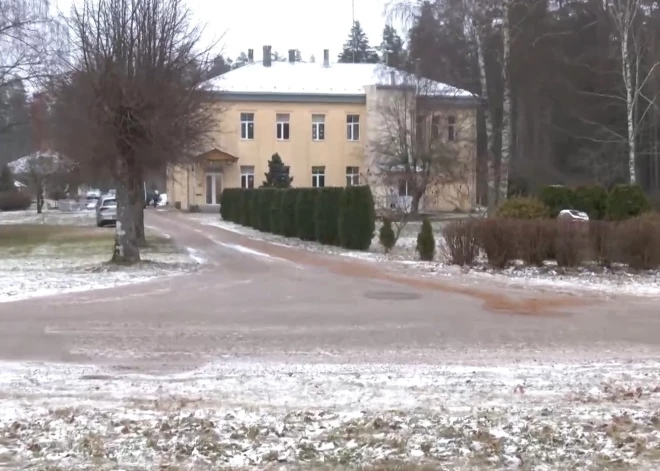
(256, 416)
(592, 278)
(59, 257)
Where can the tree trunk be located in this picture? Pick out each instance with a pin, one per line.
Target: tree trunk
(126, 243)
(138, 208)
(414, 203)
(507, 122)
(630, 105)
(40, 199)
(488, 118)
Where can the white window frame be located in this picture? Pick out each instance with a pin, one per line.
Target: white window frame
(451, 128)
(247, 118)
(318, 173)
(247, 171)
(318, 127)
(283, 126)
(352, 179)
(352, 124)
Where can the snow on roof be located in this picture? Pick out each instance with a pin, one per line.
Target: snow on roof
(316, 79)
(22, 165)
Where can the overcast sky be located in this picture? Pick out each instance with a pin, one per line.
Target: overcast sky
(308, 25)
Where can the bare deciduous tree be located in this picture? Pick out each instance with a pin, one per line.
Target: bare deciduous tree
(418, 147)
(134, 98)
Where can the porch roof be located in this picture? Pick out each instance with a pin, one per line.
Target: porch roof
(217, 156)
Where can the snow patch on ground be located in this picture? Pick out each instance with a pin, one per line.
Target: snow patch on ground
(46, 270)
(254, 415)
(404, 258)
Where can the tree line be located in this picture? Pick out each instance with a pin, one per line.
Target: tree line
(570, 86)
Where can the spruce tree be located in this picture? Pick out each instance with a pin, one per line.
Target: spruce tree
(426, 242)
(278, 174)
(357, 48)
(386, 235)
(6, 179)
(392, 48)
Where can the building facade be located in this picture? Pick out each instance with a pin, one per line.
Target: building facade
(323, 119)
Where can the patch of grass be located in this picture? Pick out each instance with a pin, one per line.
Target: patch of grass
(31, 235)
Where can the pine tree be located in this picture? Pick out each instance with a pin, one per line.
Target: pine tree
(278, 174)
(357, 48)
(392, 48)
(6, 179)
(426, 242)
(386, 235)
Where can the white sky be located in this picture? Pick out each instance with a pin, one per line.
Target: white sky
(308, 25)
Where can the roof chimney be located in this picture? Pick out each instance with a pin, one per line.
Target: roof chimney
(292, 55)
(326, 58)
(250, 55)
(267, 58)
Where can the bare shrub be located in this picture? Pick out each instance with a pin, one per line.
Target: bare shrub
(571, 243)
(535, 239)
(603, 246)
(462, 242)
(638, 240)
(497, 238)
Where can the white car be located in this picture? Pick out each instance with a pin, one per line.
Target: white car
(573, 215)
(106, 212)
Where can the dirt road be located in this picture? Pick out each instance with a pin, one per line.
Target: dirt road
(276, 355)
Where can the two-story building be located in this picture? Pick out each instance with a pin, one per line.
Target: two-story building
(326, 122)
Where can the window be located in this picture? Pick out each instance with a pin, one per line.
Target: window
(352, 176)
(435, 127)
(318, 127)
(282, 126)
(451, 128)
(353, 127)
(318, 177)
(419, 129)
(247, 177)
(404, 190)
(247, 126)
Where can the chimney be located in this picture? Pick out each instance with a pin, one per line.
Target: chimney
(250, 55)
(326, 58)
(392, 77)
(267, 58)
(292, 56)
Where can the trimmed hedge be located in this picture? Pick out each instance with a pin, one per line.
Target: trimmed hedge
(305, 210)
(229, 204)
(307, 213)
(357, 218)
(288, 212)
(386, 235)
(252, 216)
(276, 212)
(14, 201)
(626, 201)
(265, 202)
(327, 215)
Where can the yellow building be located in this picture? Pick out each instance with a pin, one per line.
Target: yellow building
(326, 121)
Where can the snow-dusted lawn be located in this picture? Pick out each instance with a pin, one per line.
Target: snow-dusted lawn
(292, 416)
(404, 258)
(56, 253)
